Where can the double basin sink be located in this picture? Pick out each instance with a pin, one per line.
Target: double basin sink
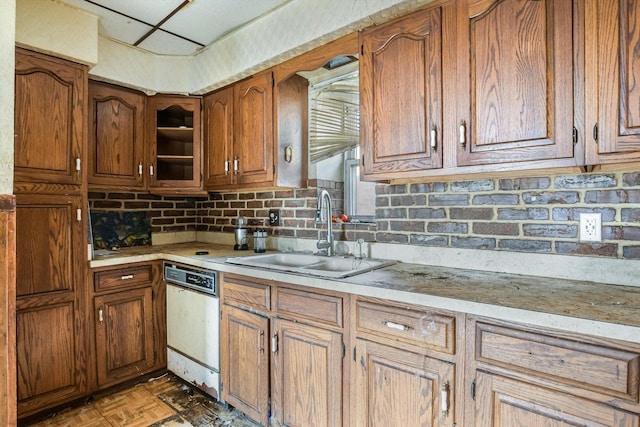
(314, 265)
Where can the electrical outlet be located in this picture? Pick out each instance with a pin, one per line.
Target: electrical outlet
(274, 217)
(590, 227)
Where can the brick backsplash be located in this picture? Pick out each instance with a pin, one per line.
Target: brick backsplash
(537, 214)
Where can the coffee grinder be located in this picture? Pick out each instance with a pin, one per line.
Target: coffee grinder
(242, 239)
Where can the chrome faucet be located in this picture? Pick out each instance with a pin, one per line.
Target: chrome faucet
(324, 202)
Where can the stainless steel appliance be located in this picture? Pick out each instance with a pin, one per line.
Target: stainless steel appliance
(242, 239)
(193, 326)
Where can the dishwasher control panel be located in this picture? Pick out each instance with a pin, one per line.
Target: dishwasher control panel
(191, 277)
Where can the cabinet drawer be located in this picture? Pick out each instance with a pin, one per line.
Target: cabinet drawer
(246, 294)
(123, 278)
(322, 308)
(412, 326)
(609, 370)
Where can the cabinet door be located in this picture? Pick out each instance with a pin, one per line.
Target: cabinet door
(397, 387)
(505, 402)
(515, 81)
(613, 73)
(116, 137)
(124, 335)
(218, 139)
(51, 335)
(245, 362)
(307, 375)
(49, 119)
(401, 95)
(253, 137)
(175, 143)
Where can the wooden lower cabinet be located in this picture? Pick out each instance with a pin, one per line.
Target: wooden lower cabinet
(504, 402)
(130, 322)
(124, 335)
(402, 388)
(245, 362)
(307, 375)
(51, 302)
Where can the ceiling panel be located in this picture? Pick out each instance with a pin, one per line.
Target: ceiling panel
(166, 44)
(206, 21)
(200, 21)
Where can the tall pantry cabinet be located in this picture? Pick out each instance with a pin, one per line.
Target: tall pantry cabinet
(51, 231)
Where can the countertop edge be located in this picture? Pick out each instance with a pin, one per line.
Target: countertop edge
(564, 323)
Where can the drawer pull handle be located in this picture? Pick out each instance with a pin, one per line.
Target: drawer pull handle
(126, 277)
(397, 326)
(444, 398)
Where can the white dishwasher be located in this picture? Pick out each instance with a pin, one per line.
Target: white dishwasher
(193, 326)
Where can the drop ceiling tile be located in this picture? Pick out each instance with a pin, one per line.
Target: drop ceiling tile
(113, 25)
(165, 44)
(150, 11)
(205, 21)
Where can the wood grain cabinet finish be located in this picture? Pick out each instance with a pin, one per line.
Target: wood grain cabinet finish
(504, 402)
(515, 85)
(240, 127)
(175, 144)
(522, 375)
(307, 375)
(50, 110)
(129, 313)
(402, 388)
(404, 365)
(401, 95)
(218, 139)
(52, 337)
(245, 362)
(613, 73)
(116, 137)
(253, 129)
(124, 335)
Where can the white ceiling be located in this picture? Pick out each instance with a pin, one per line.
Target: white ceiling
(198, 24)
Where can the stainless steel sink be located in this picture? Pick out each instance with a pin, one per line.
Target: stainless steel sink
(314, 265)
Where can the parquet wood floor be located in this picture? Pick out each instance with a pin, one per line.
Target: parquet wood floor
(160, 402)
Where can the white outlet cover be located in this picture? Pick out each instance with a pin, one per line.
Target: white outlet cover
(590, 227)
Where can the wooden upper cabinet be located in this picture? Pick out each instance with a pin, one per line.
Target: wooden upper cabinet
(116, 137)
(253, 125)
(218, 138)
(613, 76)
(175, 143)
(515, 88)
(49, 119)
(401, 95)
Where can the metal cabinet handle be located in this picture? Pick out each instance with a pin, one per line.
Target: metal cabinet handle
(274, 343)
(140, 169)
(434, 137)
(226, 167)
(127, 277)
(78, 164)
(100, 316)
(79, 215)
(463, 133)
(444, 398)
(236, 165)
(150, 170)
(397, 326)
